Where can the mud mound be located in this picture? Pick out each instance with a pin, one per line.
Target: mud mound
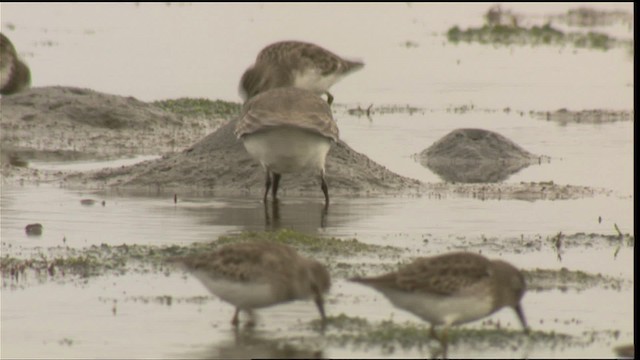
(83, 106)
(220, 162)
(475, 156)
(87, 124)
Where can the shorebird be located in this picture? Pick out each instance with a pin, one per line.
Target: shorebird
(452, 289)
(287, 130)
(14, 74)
(252, 275)
(298, 64)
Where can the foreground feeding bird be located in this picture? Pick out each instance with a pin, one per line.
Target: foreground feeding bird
(287, 130)
(298, 64)
(252, 275)
(452, 289)
(15, 75)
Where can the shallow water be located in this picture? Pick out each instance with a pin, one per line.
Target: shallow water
(187, 50)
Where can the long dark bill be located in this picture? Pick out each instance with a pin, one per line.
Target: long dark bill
(523, 321)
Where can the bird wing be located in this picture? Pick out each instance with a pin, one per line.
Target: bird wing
(242, 261)
(444, 275)
(287, 107)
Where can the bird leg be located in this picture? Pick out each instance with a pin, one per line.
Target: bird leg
(252, 319)
(235, 321)
(325, 188)
(523, 320)
(319, 300)
(442, 339)
(267, 185)
(276, 182)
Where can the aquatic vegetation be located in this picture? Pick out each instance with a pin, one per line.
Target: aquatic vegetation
(502, 27)
(590, 116)
(309, 243)
(535, 35)
(565, 279)
(343, 330)
(199, 107)
(100, 259)
(588, 17)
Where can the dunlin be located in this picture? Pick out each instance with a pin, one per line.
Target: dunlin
(287, 130)
(298, 64)
(252, 275)
(14, 74)
(452, 289)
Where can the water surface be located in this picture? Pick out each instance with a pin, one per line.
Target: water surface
(158, 51)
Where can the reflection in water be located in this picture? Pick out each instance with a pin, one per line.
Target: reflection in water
(269, 222)
(250, 344)
(473, 171)
(475, 156)
(272, 219)
(306, 215)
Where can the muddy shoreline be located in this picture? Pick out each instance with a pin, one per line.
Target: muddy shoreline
(198, 151)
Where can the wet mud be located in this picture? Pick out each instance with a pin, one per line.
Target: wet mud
(199, 150)
(476, 156)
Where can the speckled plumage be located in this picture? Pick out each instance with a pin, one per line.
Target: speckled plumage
(252, 275)
(453, 288)
(15, 75)
(287, 130)
(299, 55)
(295, 63)
(287, 107)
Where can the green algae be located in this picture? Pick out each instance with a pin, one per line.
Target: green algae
(344, 258)
(343, 330)
(565, 279)
(535, 35)
(166, 300)
(311, 244)
(200, 107)
(99, 259)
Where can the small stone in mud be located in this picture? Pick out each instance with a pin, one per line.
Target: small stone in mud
(88, 202)
(34, 229)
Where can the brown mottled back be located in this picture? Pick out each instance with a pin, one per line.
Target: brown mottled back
(244, 261)
(299, 55)
(287, 107)
(443, 275)
(15, 75)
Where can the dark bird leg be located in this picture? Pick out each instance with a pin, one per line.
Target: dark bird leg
(267, 185)
(523, 320)
(276, 182)
(319, 300)
(442, 339)
(325, 188)
(323, 216)
(235, 321)
(252, 319)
